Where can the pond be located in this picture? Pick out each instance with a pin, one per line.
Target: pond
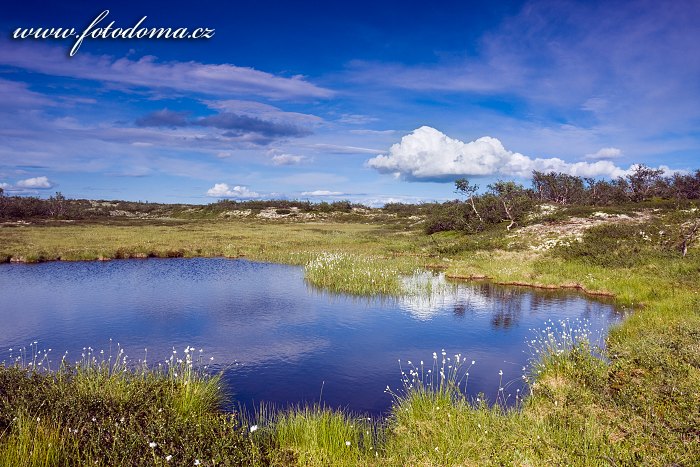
(276, 338)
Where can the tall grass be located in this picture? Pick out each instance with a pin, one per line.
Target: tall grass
(355, 274)
(316, 435)
(103, 410)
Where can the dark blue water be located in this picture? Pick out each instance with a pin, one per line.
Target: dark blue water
(277, 339)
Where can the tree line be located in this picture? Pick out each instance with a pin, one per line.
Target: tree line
(502, 201)
(507, 201)
(58, 206)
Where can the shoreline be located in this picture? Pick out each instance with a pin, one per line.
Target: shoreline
(456, 277)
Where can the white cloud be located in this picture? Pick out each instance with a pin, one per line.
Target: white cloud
(356, 119)
(372, 132)
(340, 149)
(322, 193)
(381, 200)
(148, 71)
(35, 183)
(288, 159)
(428, 154)
(14, 94)
(604, 154)
(263, 111)
(222, 190)
(595, 104)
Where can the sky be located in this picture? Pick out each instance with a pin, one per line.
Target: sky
(372, 102)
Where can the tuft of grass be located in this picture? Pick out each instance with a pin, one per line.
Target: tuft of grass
(31, 442)
(316, 435)
(358, 274)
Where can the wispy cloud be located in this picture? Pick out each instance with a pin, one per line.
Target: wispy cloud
(372, 132)
(264, 123)
(149, 72)
(240, 124)
(16, 95)
(605, 154)
(322, 193)
(164, 117)
(356, 119)
(623, 66)
(341, 149)
(263, 111)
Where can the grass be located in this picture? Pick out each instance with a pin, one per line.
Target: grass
(360, 274)
(639, 405)
(104, 411)
(315, 435)
(363, 250)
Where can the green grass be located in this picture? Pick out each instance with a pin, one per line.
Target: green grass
(368, 251)
(640, 405)
(360, 274)
(314, 435)
(102, 412)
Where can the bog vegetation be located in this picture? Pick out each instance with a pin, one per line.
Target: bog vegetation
(636, 402)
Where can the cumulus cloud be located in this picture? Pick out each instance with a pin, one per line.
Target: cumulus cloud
(427, 154)
(149, 72)
(322, 193)
(288, 159)
(40, 183)
(605, 154)
(222, 190)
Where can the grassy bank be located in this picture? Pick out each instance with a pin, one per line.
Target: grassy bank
(638, 406)
(361, 252)
(104, 411)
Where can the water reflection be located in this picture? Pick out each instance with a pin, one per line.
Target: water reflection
(433, 295)
(275, 338)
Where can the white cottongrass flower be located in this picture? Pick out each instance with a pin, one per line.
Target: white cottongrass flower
(347, 443)
(152, 444)
(168, 457)
(253, 428)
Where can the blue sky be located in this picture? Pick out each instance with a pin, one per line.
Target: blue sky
(373, 102)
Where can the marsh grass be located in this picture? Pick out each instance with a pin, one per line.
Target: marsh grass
(317, 435)
(103, 410)
(359, 274)
(639, 405)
